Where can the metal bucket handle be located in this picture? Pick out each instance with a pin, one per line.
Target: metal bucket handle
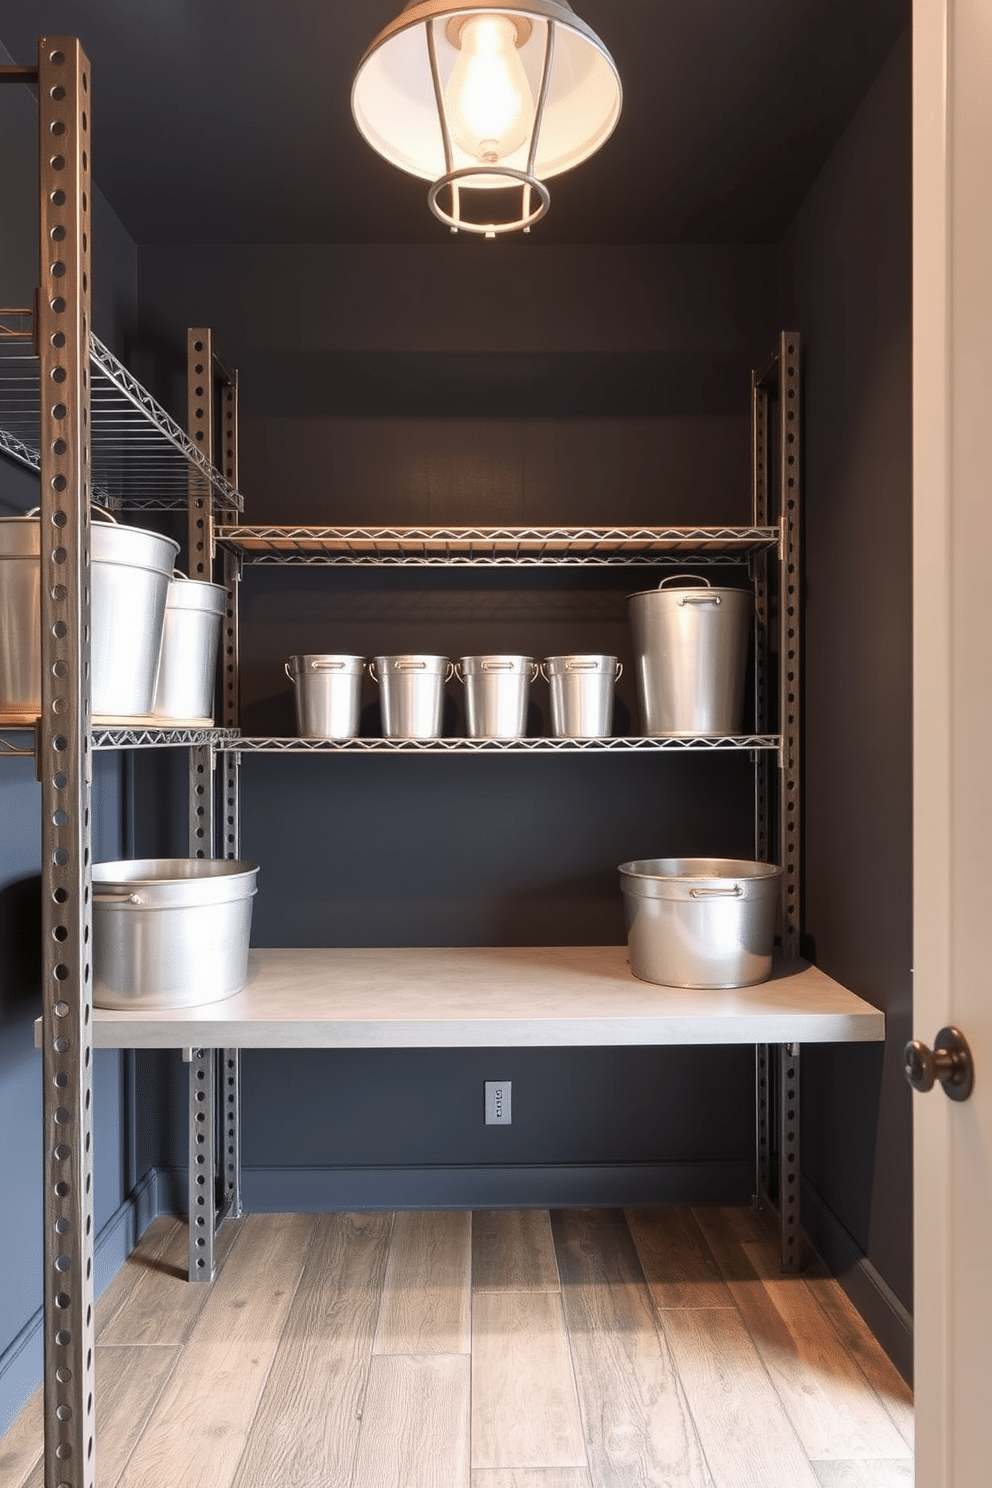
(732, 893)
(95, 511)
(315, 666)
(499, 666)
(115, 896)
(703, 598)
(412, 666)
(581, 666)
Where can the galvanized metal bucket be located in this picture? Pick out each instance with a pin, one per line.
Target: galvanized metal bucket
(170, 932)
(691, 646)
(20, 616)
(194, 612)
(131, 569)
(497, 689)
(328, 691)
(700, 922)
(412, 694)
(581, 688)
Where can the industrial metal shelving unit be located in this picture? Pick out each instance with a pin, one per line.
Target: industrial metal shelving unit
(73, 414)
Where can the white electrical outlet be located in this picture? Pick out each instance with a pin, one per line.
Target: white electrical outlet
(497, 1103)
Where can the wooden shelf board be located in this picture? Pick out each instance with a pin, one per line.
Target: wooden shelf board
(468, 997)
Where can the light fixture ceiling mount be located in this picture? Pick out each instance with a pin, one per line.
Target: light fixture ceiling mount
(486, 98)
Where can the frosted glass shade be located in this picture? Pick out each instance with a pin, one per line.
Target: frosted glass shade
(396, 104)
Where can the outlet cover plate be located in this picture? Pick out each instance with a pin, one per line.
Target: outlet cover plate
(497, 1103)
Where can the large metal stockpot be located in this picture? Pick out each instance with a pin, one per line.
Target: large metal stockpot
(170, 932)
(131, 569)
(690, 645)
(700, 922)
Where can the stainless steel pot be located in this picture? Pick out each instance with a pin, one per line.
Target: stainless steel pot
(691, 644)
(497, 689)
(700, 922)
(327, 695)
(170, 932)
(131, 568)
(194, 613)
(581, 688)
(412, 694)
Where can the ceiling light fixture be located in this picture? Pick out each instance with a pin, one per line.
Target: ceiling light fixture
(486, 97)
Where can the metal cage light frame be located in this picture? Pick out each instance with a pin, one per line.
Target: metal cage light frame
(402, 105)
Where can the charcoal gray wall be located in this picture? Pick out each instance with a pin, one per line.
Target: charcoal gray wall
(117, 1184)
(487, 384)
(846, 282)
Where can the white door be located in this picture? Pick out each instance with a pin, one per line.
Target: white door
(952, 110)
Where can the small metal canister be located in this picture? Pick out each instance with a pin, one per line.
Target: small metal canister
(412, 694)
(497, 689)
(581, 695)
(328, 692)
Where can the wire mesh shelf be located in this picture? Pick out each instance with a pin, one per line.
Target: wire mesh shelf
(495, 546)
(150, 737)
(140, 459)
(672, 743)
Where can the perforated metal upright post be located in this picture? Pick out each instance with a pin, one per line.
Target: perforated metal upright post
(777, 1073)
(211, 1102)
(64, 762)
(788, 1157)
(230, 768)
(789, 474)
(789, 471)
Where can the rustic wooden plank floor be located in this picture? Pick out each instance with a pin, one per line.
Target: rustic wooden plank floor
(508, 1349)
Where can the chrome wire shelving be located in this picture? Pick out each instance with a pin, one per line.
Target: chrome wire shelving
(526, 745)
(140, 460)
(20, 739)
(495, 546)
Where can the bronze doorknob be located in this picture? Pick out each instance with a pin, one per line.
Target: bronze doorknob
(949, 1062)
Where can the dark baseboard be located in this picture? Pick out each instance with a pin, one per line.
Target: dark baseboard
(498, 1187)
(21, 1362)
(888, 1319)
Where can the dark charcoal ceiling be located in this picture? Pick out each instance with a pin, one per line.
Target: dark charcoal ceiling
(229, 120)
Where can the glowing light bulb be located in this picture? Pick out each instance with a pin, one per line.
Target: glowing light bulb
(488, 99)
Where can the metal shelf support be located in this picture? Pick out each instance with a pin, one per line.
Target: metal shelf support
(64, 763)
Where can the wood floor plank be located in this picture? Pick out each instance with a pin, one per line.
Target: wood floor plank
(22, 1443)
(149, 1249)
(822, 1389)
(426, 1299)
(305, 1432)
(198, 1432)
(525, 1412)
(531, 1477)
(726, 1230)
(637, 1425)
(129, 1382)
(512, 1251)
(678, 1265)
(745, 1244)
(866, 1351)
(159, 1305)
(865, 1474)
(415, 1423)
(745, 1433)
